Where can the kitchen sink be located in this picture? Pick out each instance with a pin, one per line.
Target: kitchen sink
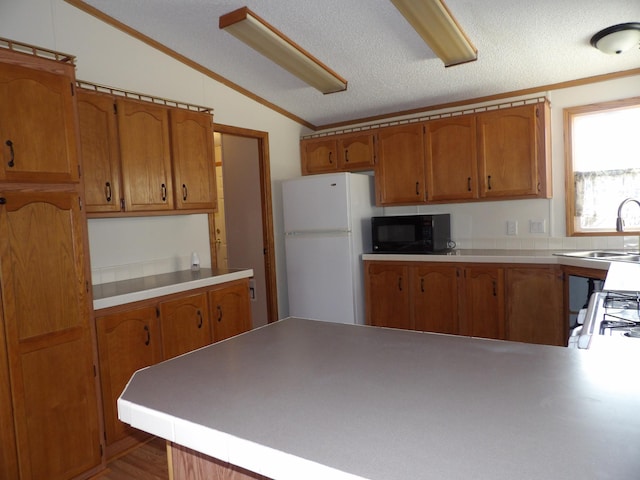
(604, 255)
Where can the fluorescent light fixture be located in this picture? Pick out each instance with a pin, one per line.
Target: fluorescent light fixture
(265, 39)
(437, 27)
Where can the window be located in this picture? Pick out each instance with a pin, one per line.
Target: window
(602, 145)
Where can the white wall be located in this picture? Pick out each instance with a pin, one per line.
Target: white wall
(107, 56)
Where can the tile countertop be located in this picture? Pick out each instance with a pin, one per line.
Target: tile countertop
(135, 289)
(303, 399)
(543, 257)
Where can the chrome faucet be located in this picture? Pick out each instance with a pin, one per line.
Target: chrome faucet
(619, 221)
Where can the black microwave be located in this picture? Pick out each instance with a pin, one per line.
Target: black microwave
(411, 233)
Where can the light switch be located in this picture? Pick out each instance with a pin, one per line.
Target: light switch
(512, 227)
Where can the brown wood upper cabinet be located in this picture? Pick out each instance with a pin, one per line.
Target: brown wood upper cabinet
(400, 174)
(143, 157)
(341, 153)
(319, 155)
(193, 162)
(145, 153)
(514, 153)
(100, 151)
(493, 155)
(356, 151)
(38, 130)
(451, 161)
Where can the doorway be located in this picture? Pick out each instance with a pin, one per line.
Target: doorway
(243, 232)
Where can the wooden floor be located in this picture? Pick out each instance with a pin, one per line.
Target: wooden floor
(147, 462)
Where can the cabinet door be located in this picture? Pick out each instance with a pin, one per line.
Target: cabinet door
(8, 452)
(100, 151)
(535, 305)
(49, 341)
(145, 154)
(127, 342)
(37, 126)
(185, 325)
(356, 152)
(193, 162)
(435, 298)
(230, 310)
(387, 295)
(451, 158)
(400, 178)
(508, 154)
(484, 302)
(319, 156)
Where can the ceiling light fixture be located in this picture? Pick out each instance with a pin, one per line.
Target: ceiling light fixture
(437, 27)
(273, 44)
(618, 38)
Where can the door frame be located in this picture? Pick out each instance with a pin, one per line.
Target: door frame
(267, 213)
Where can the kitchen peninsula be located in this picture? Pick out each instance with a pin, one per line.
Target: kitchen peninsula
(314, 400)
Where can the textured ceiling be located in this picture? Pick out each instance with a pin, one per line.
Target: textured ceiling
(521, 44)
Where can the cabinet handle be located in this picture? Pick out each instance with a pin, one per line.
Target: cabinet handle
(163, 190)
(330, 159)
(9, 144)
(400, 283)
(219, 313)
(417, 188)
(184, 192)
(489, 182)
(3, 200)
(148, 340)
(199, 313)
(495, 292)
(422, 285)
(346, 155)
(107, 191)
(468, 184)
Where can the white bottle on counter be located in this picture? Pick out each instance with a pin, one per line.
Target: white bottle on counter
(195, 262)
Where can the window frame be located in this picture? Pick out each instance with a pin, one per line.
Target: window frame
(570, 204)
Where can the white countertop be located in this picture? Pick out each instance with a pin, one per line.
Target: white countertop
(143, 288)
(547, 257)
(302, 399)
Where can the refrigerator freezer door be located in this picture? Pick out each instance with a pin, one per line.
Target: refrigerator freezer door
(320, 277)
(317, 203)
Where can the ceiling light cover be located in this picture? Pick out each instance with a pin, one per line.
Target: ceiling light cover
(273, 44)
(618, 38)
(439, 29)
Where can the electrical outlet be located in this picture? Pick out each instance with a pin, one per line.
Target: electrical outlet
(512, 227)
(536, 226)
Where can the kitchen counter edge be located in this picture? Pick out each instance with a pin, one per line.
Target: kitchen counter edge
(541, 257)
(132, 290)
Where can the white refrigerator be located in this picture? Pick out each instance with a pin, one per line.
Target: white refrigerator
(327, 225)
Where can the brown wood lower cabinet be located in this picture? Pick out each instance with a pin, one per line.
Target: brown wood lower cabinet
(435, 293)
(483, 302)
(185, 325)
(230, 310)
(134, 336)
(127, 341)
(535, 309)
(387, 291)
(509, 302)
